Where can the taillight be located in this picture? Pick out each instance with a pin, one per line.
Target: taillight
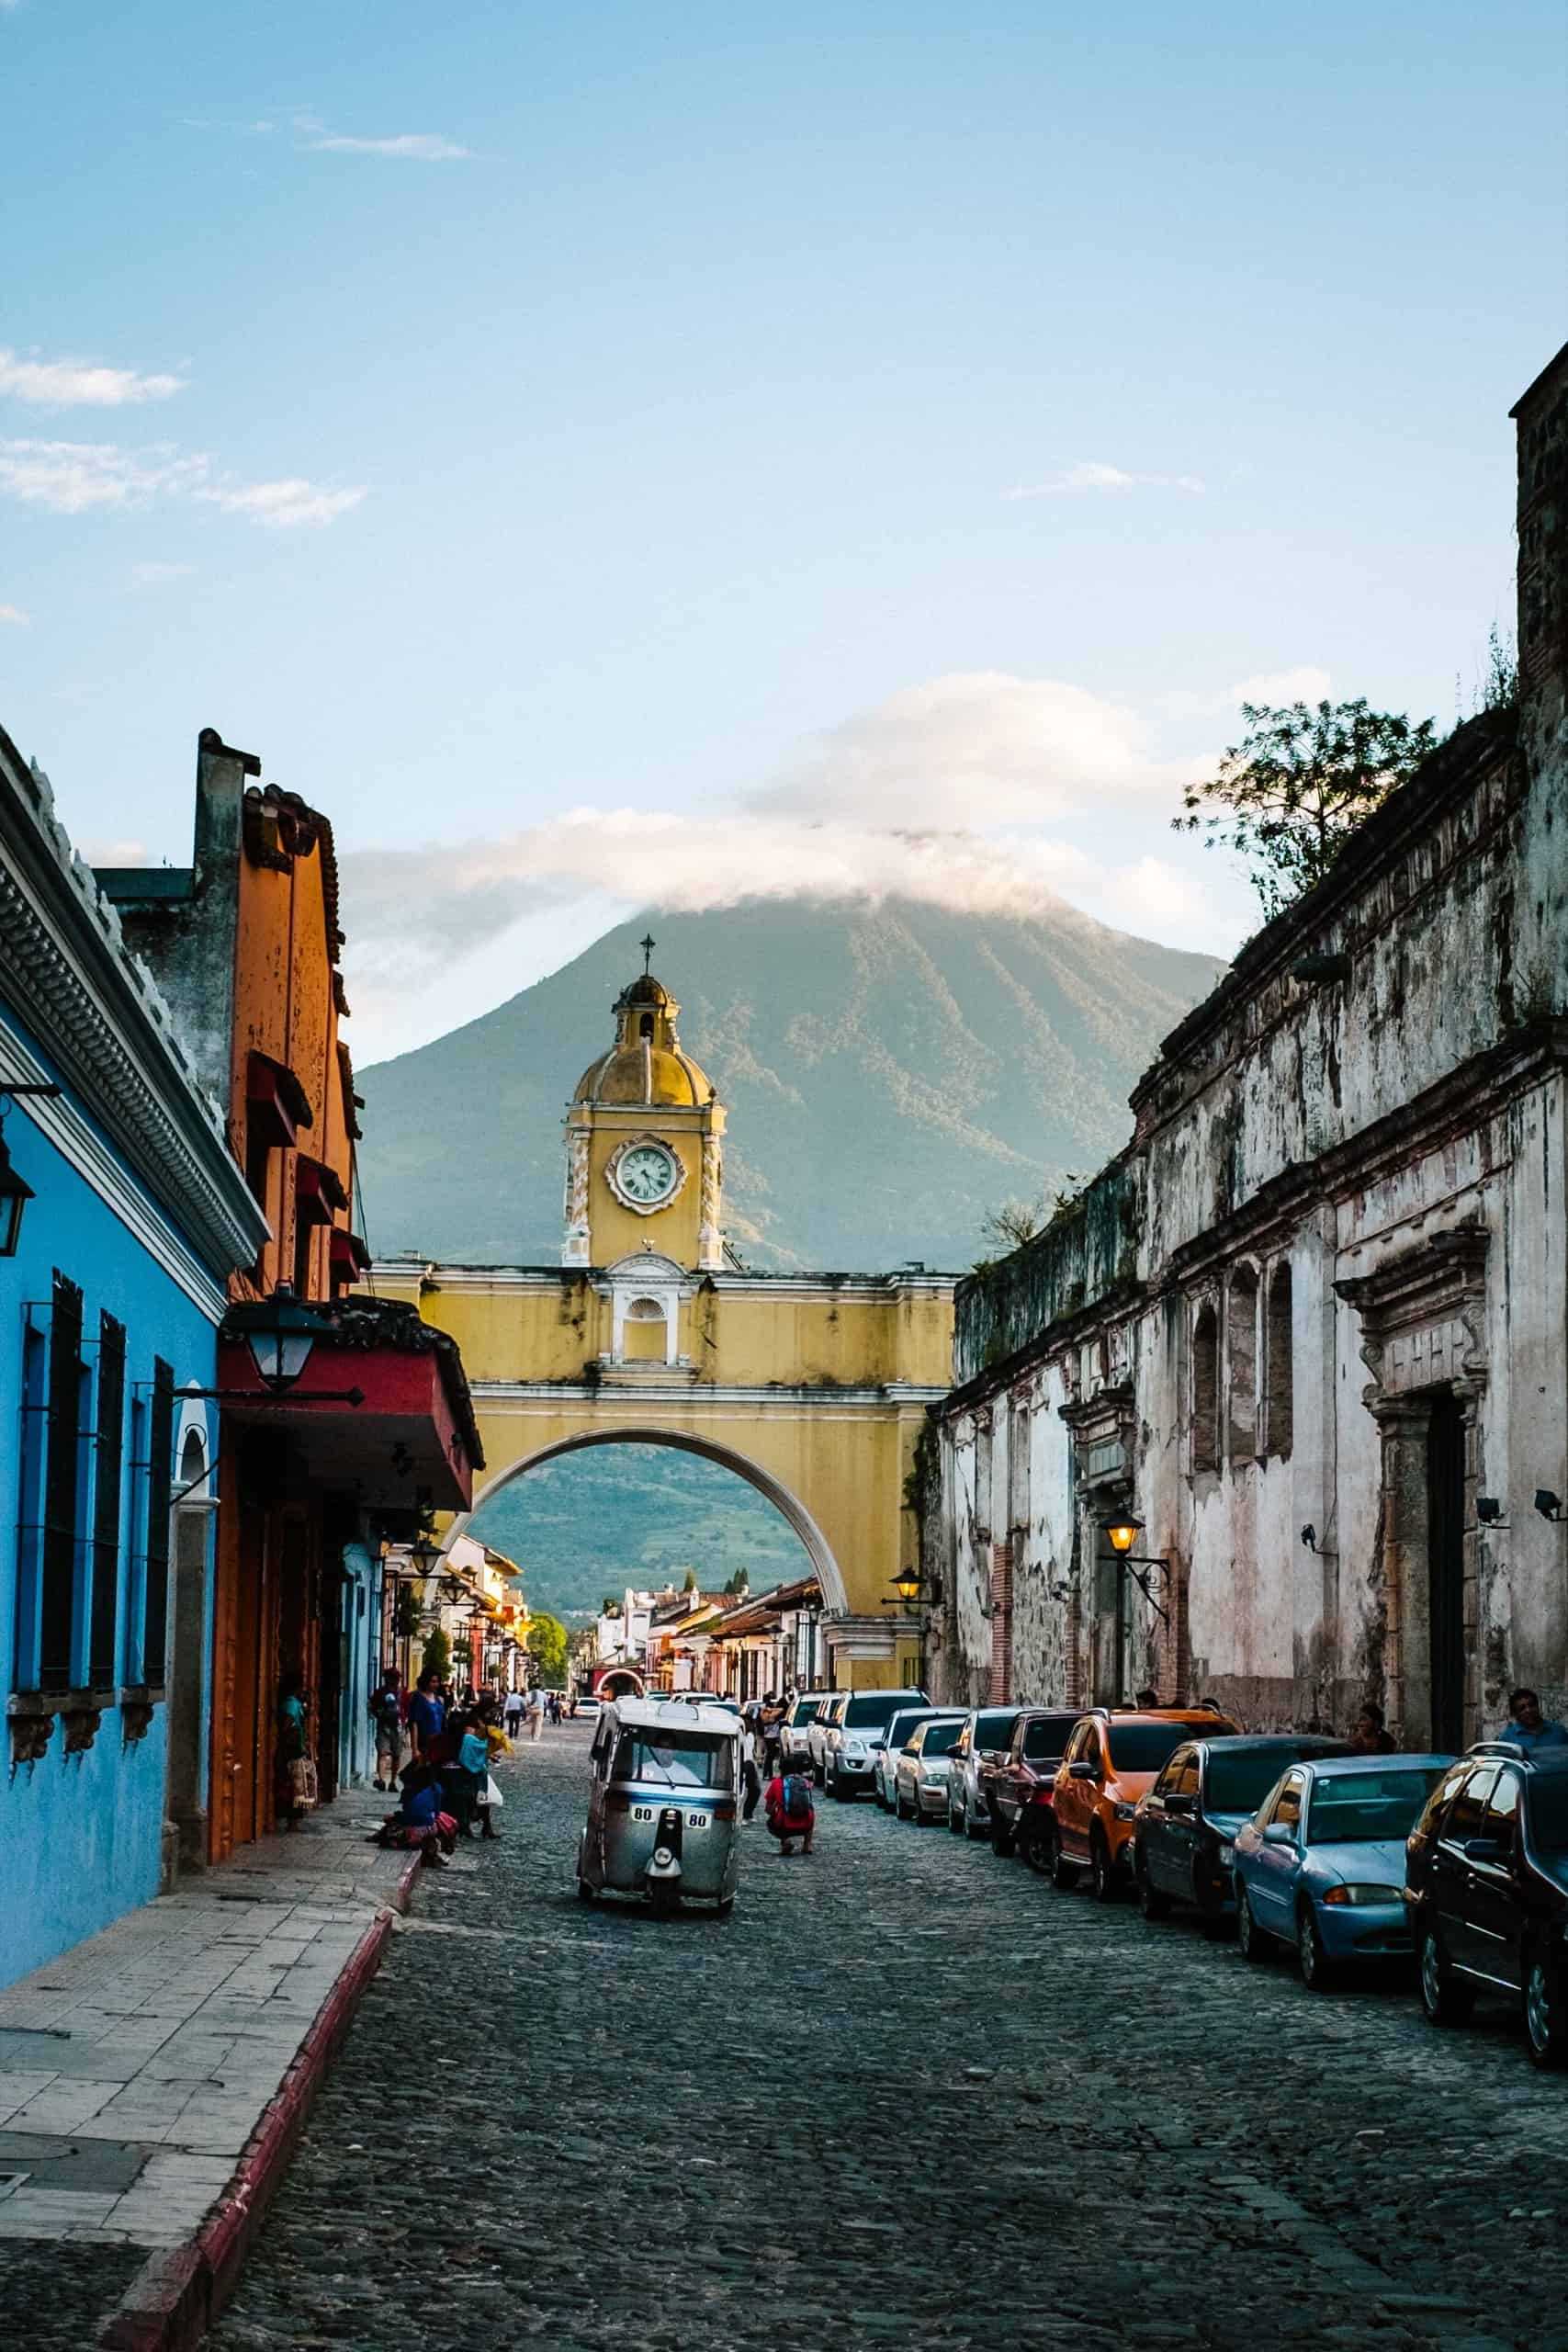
(724, 1812)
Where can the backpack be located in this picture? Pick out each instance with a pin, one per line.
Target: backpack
(796, 1795)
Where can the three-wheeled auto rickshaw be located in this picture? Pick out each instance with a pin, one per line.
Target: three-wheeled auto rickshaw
(663, 1803)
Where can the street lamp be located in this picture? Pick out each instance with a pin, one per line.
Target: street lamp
(15, 1195)
(906, 1585)
(1122, 1530)
(280, 1334)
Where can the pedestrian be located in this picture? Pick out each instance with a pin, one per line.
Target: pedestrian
(419, 1823)
(790, 1810)
(514, 1713)
(1527, 1727)
(750, 1777)
(426, 1715)
(1367, 1737)
(535, 1712)
(465, 1777)
(773, 1733)
(1146, 1697)
(387, 1714)
(296, 1775)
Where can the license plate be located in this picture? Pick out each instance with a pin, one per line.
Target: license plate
(642, 1813)
(696, 1821)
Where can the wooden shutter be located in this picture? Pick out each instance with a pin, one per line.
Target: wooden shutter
(62, 1482)
(104, 1637)
(159, 1490)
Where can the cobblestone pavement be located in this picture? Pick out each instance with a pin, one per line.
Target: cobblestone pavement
(908, 2095)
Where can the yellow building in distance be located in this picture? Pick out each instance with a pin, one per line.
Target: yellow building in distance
(813, 1387)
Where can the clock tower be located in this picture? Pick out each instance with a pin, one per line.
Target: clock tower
(644, 1144)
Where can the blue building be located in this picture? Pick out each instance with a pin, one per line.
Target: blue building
(113, 1281)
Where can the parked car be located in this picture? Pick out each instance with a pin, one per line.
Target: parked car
(817, 1731)
(1111, 1761)
(847, 1755)
(1184, 1830)
(1321, 1864)
(795, 1741)
(1486, 1887)
(983, 1741)
(884, 1749)
(588, 1709)
(1028, 1767)
(919, 1789)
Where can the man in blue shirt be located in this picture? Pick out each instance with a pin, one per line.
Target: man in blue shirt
(1527, 1727)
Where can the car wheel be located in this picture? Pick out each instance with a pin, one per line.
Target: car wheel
(1102, 1871)
(1546, 2013)
(1444, 1999)
(1062, 1872)
(839, 1793)
(725, 1905)
(1151, 1902)
(920, 1817)
(1318, 1972)
(1256, 1944)
(976, 1828)
(899, 1808)
(956, 1818)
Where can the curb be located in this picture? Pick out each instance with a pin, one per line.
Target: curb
(178, 2294)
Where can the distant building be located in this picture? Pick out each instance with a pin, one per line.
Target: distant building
(133, 1217)
(1305, 1338)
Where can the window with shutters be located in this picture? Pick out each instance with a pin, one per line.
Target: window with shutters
(1206, 1389)
(63, 1490)
(34, 1448)
(160, 1494)
(108, 1480)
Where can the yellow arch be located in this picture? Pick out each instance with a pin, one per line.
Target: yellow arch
(788, 1505)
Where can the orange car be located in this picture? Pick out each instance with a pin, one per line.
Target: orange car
(1111, 1759)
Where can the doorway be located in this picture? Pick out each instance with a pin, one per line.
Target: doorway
(1445, 1568)
(185, 1823)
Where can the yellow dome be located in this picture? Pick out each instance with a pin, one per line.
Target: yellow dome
(635, 1074)
(646, 1065)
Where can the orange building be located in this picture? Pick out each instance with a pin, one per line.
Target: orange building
(378, 1429)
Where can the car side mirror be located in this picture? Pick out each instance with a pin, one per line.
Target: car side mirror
(1082, 1771)
(1278, 1833)
(1180, 1801)
(1485, 1849)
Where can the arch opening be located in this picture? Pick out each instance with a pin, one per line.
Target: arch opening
(788, 1505)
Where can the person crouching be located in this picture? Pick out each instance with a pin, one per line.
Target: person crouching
(791, 1813)
(420, 1824)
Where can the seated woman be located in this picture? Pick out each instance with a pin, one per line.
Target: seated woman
(419, 1824)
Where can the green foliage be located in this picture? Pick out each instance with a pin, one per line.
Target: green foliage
(1016, 1221)
(406, 1612)
(547, 1648)
(690, 1584)
(739, 1583)
(609, 1606)
(1288, 797)
(438, 1658)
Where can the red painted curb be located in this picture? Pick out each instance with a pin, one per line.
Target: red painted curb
(176, 2296)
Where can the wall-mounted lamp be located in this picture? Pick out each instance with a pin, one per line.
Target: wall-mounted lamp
(1549, 1505)
(1489, 1512)
(1122, 1530)
(15, 1192)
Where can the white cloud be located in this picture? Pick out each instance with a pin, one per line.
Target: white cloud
(72, 477)
(1306, 683)
(112, 852)
(153, 575)
(405, 146)
(75, 383)
(973, 749)
(284, 505)
(12, 616)
(1090, 476)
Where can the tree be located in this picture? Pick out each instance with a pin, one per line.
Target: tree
(691, 1583)
(609, 1606)
(547, 1643)
(1290, 794)
(437, 1659)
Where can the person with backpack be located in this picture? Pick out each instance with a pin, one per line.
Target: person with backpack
(387, 1714)
(790, 1810)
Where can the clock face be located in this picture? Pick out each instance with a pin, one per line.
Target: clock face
(646, 1175)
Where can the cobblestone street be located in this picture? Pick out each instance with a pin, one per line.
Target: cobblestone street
(909, 2094)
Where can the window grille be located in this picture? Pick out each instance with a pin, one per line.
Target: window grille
(159, 1497)
(61, 1488)
(103, 1643)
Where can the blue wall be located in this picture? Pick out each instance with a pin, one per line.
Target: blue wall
(81, 1836)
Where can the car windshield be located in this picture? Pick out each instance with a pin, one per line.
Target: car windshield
(994, 1729)
(680, 1759)
(1048, 1736)
(1144, 1747)
(804, 1712)
(1358, 1808)
(872, 1707)
(940, 1739)
(1548, 1812)
(1239, 1784)
(903, 1729)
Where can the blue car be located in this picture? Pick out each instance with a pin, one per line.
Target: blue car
(1321, 1864)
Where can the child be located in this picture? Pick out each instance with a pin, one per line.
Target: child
(791, 1812)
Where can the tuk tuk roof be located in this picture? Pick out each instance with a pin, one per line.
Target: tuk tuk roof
(675, 1714)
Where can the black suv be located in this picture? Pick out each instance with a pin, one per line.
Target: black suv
(1486, 1880)
(1019, 1783)
(1183, 1828)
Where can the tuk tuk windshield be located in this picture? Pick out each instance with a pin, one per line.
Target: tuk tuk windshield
(678, 1760)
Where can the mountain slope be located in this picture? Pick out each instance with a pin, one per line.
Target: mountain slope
(890, 1071)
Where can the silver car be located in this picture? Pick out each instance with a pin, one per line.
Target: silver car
(885, 1747)
(920, 1788)
(827, 1715)
(983, 1741)
(795, 1732)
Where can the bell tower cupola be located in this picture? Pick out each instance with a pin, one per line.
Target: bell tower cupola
(643, 1134)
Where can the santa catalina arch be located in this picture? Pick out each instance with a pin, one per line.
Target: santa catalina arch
(812, 1386)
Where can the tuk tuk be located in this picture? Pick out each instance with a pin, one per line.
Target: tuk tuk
(663, 1803)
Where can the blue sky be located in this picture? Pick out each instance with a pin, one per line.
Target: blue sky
(580, 449)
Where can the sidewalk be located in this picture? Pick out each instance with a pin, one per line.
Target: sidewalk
(153, 2081)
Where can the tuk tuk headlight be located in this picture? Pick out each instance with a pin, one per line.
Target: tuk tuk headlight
(663, 1855)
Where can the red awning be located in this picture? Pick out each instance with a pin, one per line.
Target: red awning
(276, 1105)
(317, 1192)
(347, 1255)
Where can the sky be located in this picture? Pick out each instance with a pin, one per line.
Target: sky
(659, 454)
